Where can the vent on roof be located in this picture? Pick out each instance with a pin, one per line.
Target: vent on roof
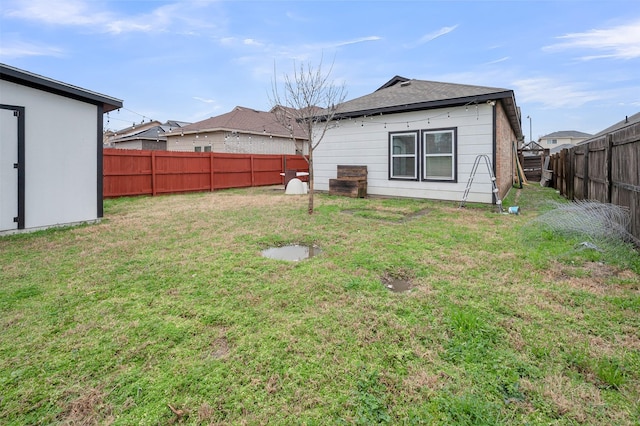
(405, 83)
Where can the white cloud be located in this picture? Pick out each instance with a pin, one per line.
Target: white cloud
(432, 36)
(90, 15)
(206, 101)
(57, 12)
(357, 40)
(554, 94)
(621, 42)
(252, 42)
(19, 49)
(295, 17)
(497, 61)
(309, 50)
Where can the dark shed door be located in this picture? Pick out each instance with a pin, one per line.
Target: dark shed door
(9, 168)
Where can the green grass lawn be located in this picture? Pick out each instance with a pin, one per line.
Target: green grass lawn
(166, 313)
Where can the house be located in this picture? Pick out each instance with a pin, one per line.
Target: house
(49, 175)
(242, 130)
(421, 139)
(148, 136)
(628, 121)
(557, 141)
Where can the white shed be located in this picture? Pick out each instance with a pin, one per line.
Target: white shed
(50, 151)
(421, 138)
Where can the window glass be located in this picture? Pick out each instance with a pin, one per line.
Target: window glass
(404, 167)
(403, 156)
(439, 155)
(404, 144)
(439, 168)
(439, 143)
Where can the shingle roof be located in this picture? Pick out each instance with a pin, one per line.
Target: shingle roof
(401, 94)
(628, 120)
(242, 119)
(152, 133)
(567, 134)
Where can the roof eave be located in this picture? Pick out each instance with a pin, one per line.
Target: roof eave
(506, 96)
(224, 129)
(36, 81)
(419, 106)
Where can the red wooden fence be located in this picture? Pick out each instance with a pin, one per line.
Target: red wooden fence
(132, 172)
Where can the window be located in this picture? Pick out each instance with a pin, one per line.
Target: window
(439, 148)
(207, 148)
(198, 149)
(553, 141)
(403, 155)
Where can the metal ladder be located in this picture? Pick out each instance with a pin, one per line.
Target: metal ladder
(494, 188)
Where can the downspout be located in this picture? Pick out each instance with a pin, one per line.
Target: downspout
(495, 144)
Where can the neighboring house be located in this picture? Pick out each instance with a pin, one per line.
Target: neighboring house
(421, 138)
(148, 136)
(49, 176)
(628, 121)
(557, 141)
(242, 130)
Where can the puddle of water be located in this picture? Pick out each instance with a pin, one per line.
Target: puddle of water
(293, 253)
(397, 285)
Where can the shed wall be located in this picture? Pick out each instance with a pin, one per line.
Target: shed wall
(60, 156)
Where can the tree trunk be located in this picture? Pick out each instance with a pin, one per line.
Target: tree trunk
(310, 179)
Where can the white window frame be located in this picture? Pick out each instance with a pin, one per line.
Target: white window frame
(425, 155)
(415, 155)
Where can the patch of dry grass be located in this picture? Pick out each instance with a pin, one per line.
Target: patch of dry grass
(166, 313)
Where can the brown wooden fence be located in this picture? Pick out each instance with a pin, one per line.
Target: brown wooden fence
(132, 172)
(606, 169)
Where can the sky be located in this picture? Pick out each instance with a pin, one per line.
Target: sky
(572, 64)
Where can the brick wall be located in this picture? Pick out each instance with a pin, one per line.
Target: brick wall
(505, 137)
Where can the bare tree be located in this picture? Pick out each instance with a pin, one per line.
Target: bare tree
(308, 102)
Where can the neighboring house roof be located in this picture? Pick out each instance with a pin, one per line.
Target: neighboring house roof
(628, 120)
(156, 132)
(401, 94)
(26, 78)
(573, 134)
(245, 120)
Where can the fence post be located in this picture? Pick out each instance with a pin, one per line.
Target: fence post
(153, 173)
(570, 173)
(211, 170)
(253, 177)
(562, 182)
(608, 159)
(553, 162)
(585, 182)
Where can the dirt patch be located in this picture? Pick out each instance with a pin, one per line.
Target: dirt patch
(594, 277)
(421, 383)
(88, 408)
(219, 348)
(387, 215)
(569, 400)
